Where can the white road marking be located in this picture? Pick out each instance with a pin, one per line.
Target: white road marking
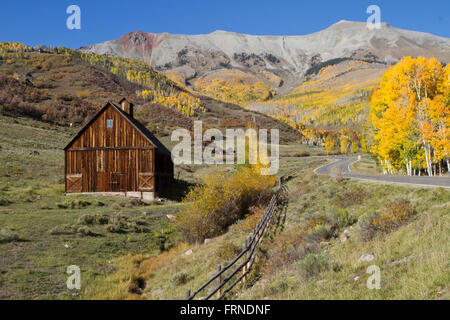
(373, 180)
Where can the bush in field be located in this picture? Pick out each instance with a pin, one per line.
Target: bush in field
(340, 218)
(367, 227)
(73, 204)
(63, 229)
(220, 201)
(85, 232)
(8, 236)
(286, 249)
(349, 198)
(312, 220)
(321, 231)
(316, 263)
(114, 228)
(396, 214)
(4, 202)
(87, 219)
(101, 219)
(253, 218)
(180, 279)
(227, 251)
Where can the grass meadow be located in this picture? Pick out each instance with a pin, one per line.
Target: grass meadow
(127, 249)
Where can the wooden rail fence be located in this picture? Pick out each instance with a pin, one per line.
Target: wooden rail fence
(228, 276)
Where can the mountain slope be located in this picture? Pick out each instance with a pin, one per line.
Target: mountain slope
(61, 86)
(336, 97)
(189, 57)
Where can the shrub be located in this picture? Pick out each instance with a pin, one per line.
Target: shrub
(252, 219)
(8, 236)
(286, 249)
(164, 239)
(340, 218)
(322, 231)
(135, 227)
(4, 202)
(312, 220)
(80, 204)
(87, 219)
(114, 228)
(366, 228)
(349, 198)
(94, 219)
(315, 263)
(180, 278)
(64, 229)
(396, 214)
(101, 219)
(228, 251)
(85, 231)
(212, 207)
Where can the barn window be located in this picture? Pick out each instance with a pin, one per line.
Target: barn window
(109, 123)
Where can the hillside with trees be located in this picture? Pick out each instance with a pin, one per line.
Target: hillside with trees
(66, 87)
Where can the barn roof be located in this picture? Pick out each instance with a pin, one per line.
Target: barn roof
(136, 124)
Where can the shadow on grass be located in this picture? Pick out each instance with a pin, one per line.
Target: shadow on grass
(176, 191)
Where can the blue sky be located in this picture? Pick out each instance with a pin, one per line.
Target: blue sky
(44, 22)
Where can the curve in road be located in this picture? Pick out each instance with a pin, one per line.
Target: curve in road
(343, 165)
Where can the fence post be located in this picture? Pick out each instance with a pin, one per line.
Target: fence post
(244, 269)
(219, 281)
(188, 294)
(249, 254)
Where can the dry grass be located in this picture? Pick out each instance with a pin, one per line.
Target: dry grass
(411, 244)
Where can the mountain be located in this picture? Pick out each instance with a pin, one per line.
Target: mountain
(271, 62)
(65, 87)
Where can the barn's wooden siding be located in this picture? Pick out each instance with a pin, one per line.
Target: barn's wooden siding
(106, 170)
(122, 134)
(117, 159)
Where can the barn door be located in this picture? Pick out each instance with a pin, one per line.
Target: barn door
(74, 183)
(146, 176)
(146, 181)
(117, 182)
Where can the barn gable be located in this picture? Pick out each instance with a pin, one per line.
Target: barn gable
(125, 131)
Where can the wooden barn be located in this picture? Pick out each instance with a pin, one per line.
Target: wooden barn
(114, 153)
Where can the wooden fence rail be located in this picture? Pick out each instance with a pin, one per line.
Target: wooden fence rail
(248, 255)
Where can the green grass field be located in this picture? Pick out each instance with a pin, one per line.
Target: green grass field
(42, 232)
(50, 238)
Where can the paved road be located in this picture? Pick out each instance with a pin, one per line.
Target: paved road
(343, 165)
